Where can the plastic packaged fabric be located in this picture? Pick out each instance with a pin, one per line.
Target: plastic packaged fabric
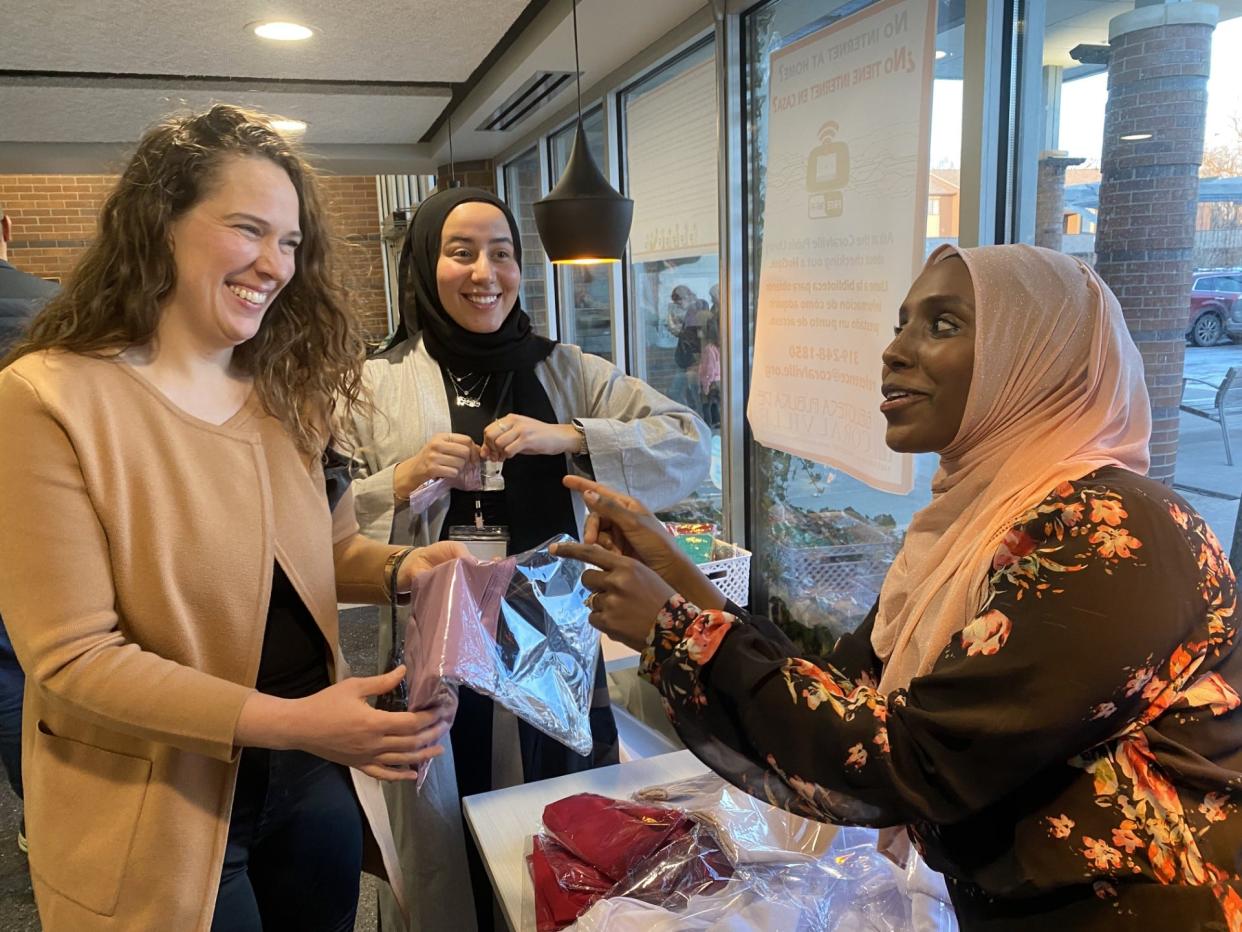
(513, 629)
(611, 834)
(690, 864)
(471, 480)
(852, 889)
(595, 847)
(428, 494)
(565, 886)
(782, 872)
(749, 830)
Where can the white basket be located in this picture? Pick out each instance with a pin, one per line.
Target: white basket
(833, 568)
(729, 571)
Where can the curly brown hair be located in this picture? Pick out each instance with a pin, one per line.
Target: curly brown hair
(306, 360)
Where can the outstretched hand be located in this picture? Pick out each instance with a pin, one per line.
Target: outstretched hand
(625, 595)
(622, 525)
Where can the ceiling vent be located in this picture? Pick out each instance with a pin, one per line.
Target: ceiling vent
(538, 89)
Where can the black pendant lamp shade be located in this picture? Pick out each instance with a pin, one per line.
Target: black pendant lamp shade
(583, 219)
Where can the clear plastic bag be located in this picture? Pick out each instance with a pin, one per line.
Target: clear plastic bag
(782, 872)
(749, 830)
(594, 847)
(852, 888)
(514, 629)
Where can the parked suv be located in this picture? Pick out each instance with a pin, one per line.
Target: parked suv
(1215, 306)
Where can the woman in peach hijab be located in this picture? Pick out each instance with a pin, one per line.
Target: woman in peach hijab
(1043, 697)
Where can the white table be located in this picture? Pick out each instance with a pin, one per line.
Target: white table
(616, 655)
(502, 820)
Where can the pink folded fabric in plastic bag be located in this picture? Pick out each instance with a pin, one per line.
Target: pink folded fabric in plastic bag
(516, 630)
(433, 490)
(452, 628)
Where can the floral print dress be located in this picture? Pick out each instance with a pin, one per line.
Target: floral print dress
(1073, 760)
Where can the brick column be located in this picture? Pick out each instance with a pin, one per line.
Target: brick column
(1158, 67)
(476, 174)
(1050, 199)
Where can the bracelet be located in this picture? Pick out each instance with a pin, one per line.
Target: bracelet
(583, 449)
(391, 567)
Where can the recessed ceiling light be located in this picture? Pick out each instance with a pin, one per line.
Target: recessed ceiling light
(1135, 137)
(289, 127)
(282, 31)
(941, 53)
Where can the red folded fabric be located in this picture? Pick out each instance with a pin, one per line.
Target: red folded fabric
(565, 886)
(611, 834)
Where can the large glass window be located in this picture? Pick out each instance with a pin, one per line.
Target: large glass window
(584, 292)
(1108, 175)
(823, 540)
(523, 186)
(670, 172)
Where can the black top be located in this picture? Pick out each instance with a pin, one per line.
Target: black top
(294, 663)
(1072, 761)
(534, 505)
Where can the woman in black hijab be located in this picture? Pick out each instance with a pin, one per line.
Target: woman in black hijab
(465, 378)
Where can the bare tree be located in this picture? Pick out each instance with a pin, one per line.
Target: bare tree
(1224, 159)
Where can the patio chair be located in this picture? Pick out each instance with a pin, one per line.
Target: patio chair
(1217, 412)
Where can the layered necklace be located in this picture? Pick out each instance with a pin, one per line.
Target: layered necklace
(469, 395)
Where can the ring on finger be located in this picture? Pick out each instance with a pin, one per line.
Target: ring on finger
(589, 601)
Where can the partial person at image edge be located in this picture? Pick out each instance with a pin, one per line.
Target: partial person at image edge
(21, 296)
(197, 756)
(1044, 698)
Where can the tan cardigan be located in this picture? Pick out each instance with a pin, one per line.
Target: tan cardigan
(136, 553)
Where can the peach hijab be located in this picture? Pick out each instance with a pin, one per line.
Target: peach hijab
(1057, 392)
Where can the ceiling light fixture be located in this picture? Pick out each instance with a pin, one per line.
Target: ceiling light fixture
(289, 127)
(941, 53)
(583, 220)
(281, 31)
(1136, 137)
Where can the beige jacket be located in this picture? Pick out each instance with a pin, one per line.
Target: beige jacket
(136, 553)
(641, 443)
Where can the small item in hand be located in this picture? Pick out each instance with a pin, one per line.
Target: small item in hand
(489, 542)
(491, 476)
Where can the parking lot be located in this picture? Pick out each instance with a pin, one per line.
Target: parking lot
(1202, 475)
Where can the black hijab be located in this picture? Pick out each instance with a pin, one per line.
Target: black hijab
(514, 346)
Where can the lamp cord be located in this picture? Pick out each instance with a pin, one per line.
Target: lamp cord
(577, 64)
(452, 163)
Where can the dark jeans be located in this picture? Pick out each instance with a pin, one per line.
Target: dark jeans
(294, 850)
(12, 683)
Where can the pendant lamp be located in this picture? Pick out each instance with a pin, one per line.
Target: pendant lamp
(583, 220)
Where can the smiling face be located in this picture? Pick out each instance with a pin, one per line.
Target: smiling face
(477, 273)
(234, 250)
(929, 364)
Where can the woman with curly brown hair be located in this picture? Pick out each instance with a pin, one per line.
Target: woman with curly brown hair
(173, 552)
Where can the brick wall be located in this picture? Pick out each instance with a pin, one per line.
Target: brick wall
(1157, 83)
(54, 219)
(353, 208)
(479, 173)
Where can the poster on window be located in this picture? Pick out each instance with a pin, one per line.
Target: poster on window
(843, 233)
